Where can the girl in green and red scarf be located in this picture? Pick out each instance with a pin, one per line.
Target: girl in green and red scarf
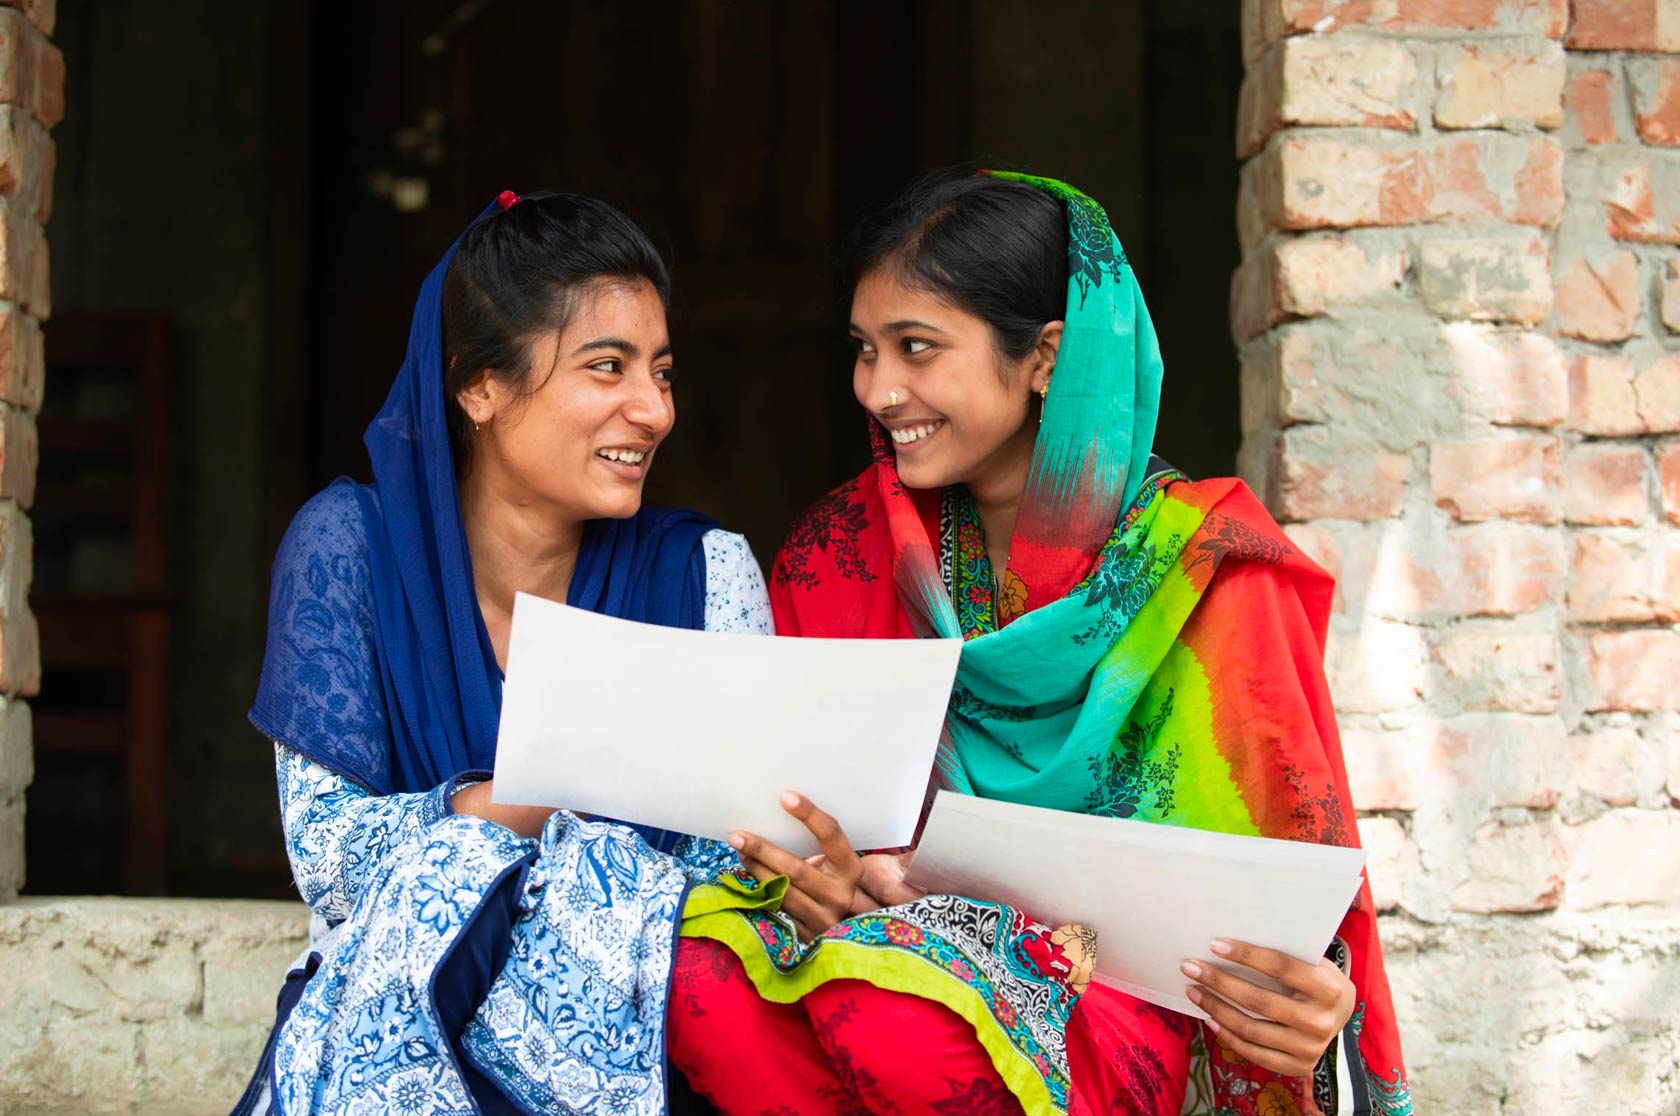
(1138, 645)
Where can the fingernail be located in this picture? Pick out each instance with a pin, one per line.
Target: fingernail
(1220, 946)
(1191, 970)
(1195, 995)
(789, 799)
(1213, 1025)
(736, 841)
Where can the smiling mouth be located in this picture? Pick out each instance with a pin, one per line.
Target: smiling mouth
(910, 435)
(623, 456)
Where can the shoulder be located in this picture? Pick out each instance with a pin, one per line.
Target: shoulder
(333, 522)
(726, 550)
(735, 597)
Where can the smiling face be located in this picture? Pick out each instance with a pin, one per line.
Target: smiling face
(958, 410)
(580, 445)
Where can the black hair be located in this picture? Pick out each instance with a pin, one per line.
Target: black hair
(990, 246)
(517, 275)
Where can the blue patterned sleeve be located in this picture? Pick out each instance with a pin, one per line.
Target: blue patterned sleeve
(736, 600)
(338, 832)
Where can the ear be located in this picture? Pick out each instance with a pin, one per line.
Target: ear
(481, 397)
(1043, 357)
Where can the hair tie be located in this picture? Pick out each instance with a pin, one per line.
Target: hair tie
(507, 199)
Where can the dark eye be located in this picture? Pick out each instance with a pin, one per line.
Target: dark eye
(611, 364)
(862, 347)
(915, 346)
(666, 374)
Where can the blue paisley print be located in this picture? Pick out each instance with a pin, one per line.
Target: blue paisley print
(574, 1019)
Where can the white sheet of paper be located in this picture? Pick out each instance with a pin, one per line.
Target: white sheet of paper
(700, 733)
(1155, 894)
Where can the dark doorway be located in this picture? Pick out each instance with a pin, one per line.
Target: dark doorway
(338, 148)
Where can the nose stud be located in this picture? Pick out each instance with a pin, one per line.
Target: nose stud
(892, 398)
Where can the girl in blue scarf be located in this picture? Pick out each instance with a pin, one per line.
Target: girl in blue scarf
(468, 957)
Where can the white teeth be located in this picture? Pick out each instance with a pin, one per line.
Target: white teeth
(629, 457)
(915, 433)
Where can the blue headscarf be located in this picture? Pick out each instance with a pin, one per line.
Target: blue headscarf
(378, 664)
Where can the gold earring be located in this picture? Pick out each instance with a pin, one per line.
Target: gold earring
(476, 428)
(1043, 400)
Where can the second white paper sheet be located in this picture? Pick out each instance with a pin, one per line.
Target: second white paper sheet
(1155, 894)
(700, 733)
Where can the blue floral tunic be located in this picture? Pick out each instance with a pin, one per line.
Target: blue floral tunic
(558, 950)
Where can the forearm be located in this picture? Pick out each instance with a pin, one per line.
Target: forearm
(527, 821)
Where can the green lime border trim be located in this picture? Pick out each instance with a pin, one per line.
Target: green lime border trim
(839, 959)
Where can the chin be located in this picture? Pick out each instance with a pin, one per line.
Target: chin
(924, 474)
(622, 507)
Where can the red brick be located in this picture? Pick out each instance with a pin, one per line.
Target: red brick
(1507, 378)
(1656, 392)
(1484, 569)
(1391, 860)
(1590, 101)
(1504, 569)
(42, 13)
(1504, 278)
(1379, 666)
(1656, 99)
(1623, 857)
(1614, 578)
(31, 69)
(19, 453)
(1489, 759)
(1625, 25)
(1601, 398)
(1500, 664)
(1487, 86)
(1670, 298)
(1536, 17)
(27, 161)
(1306, 277)
(1633, 670)
(20, 640)
(1641, 196)
(1518, 478)
(1513, 869)
(1598, 296)
(1604, 485)
(24, 274)
(1365, 83)
(1616, 765)
(1314, 477)
(1668, 478)
(22, 361)
(1326, 181)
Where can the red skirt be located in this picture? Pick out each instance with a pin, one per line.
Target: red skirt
(848, 1048)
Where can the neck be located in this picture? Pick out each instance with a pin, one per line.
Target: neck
(997, 488)
(517, 545)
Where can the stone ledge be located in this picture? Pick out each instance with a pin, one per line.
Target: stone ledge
(133, 1006)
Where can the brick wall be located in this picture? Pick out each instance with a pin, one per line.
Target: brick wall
(31, 101)
(1459, 320)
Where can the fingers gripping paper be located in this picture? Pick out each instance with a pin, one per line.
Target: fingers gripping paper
(1155, 894)
(700, 733)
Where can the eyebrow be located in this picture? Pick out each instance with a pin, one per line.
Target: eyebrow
(903, 325)
(628, 348)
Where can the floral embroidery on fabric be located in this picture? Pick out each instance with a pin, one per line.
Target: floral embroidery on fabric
(1130, 777)
(1023, 971)
(971, 580)
(831, 525)
(1318, 817)
(1227, 536)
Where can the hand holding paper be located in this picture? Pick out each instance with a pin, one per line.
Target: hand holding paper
(1155, 894)
(701, 733)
